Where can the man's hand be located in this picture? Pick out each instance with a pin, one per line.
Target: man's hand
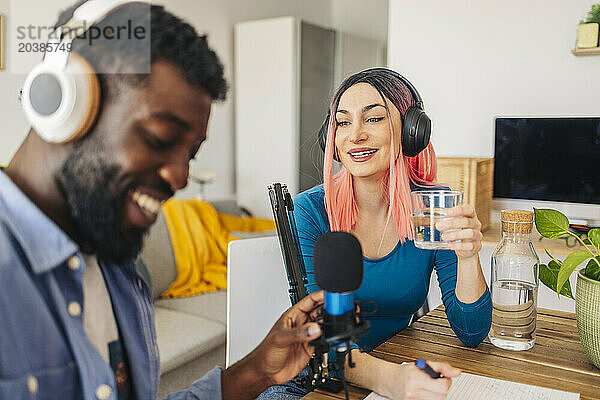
(286, 350)
(280, 356)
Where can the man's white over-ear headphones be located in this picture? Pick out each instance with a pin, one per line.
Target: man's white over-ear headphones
(61, 95)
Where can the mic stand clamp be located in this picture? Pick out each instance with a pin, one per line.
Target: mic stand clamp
(338, 333)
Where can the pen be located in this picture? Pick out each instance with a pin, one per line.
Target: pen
(423, 366)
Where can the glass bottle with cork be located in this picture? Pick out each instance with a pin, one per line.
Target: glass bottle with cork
(514, 283)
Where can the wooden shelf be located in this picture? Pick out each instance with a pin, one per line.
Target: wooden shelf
(595, 51)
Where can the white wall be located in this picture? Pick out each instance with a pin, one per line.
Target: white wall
(473, 60)
(367, 19)
(216, 18)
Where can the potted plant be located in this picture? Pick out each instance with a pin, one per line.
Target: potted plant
(587, 33)
(553, 224)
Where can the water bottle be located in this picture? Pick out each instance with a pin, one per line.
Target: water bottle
(514, 283)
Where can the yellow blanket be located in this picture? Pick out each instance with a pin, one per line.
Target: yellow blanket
(200, 236)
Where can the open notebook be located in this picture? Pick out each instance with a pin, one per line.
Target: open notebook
(475, 387)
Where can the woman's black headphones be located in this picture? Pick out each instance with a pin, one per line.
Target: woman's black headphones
(416, 125)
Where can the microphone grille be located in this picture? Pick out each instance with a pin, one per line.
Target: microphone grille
(338, 263)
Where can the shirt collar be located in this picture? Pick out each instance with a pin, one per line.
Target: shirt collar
(45, 245)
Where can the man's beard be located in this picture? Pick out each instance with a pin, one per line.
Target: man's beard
(88, 181)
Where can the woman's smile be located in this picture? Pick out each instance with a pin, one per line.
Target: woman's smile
(362, 154)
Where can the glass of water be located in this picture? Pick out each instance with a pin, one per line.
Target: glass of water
(429, 207)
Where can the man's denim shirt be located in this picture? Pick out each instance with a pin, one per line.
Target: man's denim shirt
(44, 352)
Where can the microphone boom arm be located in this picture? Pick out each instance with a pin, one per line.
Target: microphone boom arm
(283, 207)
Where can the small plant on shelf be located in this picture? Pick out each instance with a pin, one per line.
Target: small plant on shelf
(588, 30)
(594, 14)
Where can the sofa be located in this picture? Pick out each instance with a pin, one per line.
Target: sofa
(191, 331)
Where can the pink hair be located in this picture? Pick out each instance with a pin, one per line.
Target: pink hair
(420, 170)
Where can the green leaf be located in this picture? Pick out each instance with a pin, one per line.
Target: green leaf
(594, 14)
(572, 261)
(551, 224)
(594, 237)
(592, 270)
(549, 276)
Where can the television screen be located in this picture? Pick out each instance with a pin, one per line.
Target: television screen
(554, 159)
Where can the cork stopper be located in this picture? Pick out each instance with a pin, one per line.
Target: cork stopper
(517, 221)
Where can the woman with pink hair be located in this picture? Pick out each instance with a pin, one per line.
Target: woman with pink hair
(370, 198)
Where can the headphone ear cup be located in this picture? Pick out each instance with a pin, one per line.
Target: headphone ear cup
(424, 132)
(88, 93)
(416, 131)
(62, 104)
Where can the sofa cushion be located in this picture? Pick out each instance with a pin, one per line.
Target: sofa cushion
(158, 257)
(212, 306)
(182, 337)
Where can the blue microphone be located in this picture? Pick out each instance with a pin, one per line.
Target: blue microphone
(339, 303)
(338, 265)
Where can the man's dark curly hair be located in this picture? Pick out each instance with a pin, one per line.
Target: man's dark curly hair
(170, 39)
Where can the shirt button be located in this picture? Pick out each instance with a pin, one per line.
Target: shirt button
(32, 384)
(74, 263)
(103, 392)
(74, 309)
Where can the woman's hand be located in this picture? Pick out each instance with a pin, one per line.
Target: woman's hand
(399, 382)
(463, 234)
(465, 231)
(407, 382)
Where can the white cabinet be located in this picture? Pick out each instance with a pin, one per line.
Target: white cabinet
(266, 109)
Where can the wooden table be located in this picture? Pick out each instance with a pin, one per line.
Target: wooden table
(556, 361)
